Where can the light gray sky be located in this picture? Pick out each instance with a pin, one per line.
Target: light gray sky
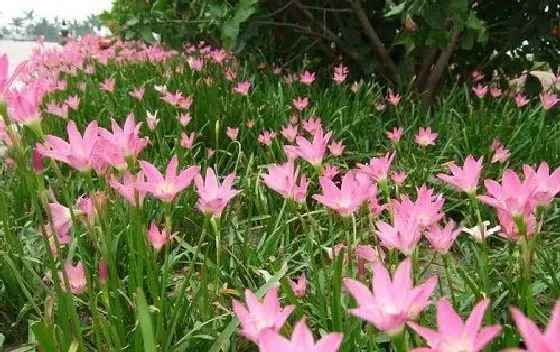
(64, 9)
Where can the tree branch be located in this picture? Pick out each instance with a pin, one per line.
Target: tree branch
(371, 34)
(430, 56)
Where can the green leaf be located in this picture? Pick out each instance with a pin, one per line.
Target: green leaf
(132, 22)
(467, 41)
(395, 10)
(229, 31)
(106, 17)
(459, 6)
(147, 36)
(145, 321)
(2, 338)
(128, 35)
(44, 335)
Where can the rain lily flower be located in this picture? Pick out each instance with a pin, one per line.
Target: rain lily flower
(24, 106)
(344, 200)
(403, 235)
(477, 76)
(373, 203)
(336, 148)
(250, 123)
(312, 125)
(242, 88)
(151, 120)
(213, 197)
(307, 78)
(157, 238)
(479, 235)
(276, 70)
(62, 219)
(442, 238)
(300, 103)
(108, 85)
(329, 171)
(314, 151)
(291, 78)
(289, 132)
(509, 229)
(165, 188)
(137, 93)
(480, 90)
(455, 335)
(76, 278)
(367, 256)
(102, 271)
(230, 75)
(294, 119)
(126, 139)
(260, 317)
(302, 341)
(547, 185)
(73, 102)
(378, 167)
(425, 137)
(340, 74)
(283, 179)
(78, 152)
(232, 133)
(185, 119)
(91, 205)
(426, 210)
(521, 100)
(464, 179)
(187, 140)
(355, 87)
(56, 110)
(299, 285)
(399, 177)
(128, 189)
(380, 106)
(495, 92)
(266, 137)
(396, 134)
(195, 64)
(391, 303)
(548, 100)
(535, 341)
(394, 99)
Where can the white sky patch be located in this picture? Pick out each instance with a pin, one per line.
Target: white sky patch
(64, 9)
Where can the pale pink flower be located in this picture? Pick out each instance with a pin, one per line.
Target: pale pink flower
(509, 229)
(426, 210)
(157, 238)
(57, 110)
(210, 152)
(126, 139)
(24, 106)
(291, 78)
(259, 317)
(266, 137)
(108, 85)
(300, 103)
(480, 90)
(373, 203)
(340, 73)
(378, 167)
(390, 303)
(336, 148)
(151, 120)
(464, 179)
(355, 87)
(521, 100)
(329, 171)
(495, 92)
(367, 256)
(165, 188)
(299, 285)
(289, 132)
(250, 123)
(76, 278)
(394, 99)
(276, 70)
(442, 238)
(399, 177)
(230, 75)
(242, 88)
(62, 219)
(137, 93)
(294, 119)
(513, 196)
(213, 197)
(403, 235)
(547, 185)
(187, 140)
(73, 102)
(102, 271)
(185, 119)
(535, 340)
(312, 125)
(307, 77)
(396, 134)
(218, 55)
(283, 179)
(314, 151)
(380, 106)
(425, 137)
(91, 205)
(455, 335)
(302, 341)
(344, 200)
(548, 100)
(477, 76)
(232, 133)
(195, 64)
(82, 86)
(128, 190)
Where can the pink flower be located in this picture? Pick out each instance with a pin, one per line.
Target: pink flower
(394, 99)
(157, 238)
(344, 200)
(477, 76)
(276, 70)
(373, 203)
(78, 153)
(232, 133)
(291, 78)
(396, 134)
(266, 137)
(547, 185)
(501, 154)
(250, 123)
(76, 278)
(453, 333)
(151, 120)
(521, 100)
(56, 110)
(380, 106)
(128, 189)
(355, 87)
(165, 188)
(137, 93)
(260, 317)
(403, 235)
(283, 179)
(300, 103)
(187, 140)
(391, 303)
(73, 102)
(513, 196)
(307, 78)
(464, 179)
(399, 177)
(329, 171)
(509, 229)
(495, 92)
(443, 238)
(336, 148)
(185, 119)
(313, 152)
(195, 64)
(102, 271)
(340, 73)
(480, 90)
(299, 286)
(302, 341)
(24, 106)
(230, 75)
(108, 85)
(535, 341)
(62, 219)
(425, 137)
(91, 205)
(426, 210)
(126, 139)
(548, 100)
(213, 197)
(294, 119)
(289, 132)
(312, 125)
(378, 167)
(242, 88)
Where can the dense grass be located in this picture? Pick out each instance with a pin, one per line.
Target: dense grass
(180, 297)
